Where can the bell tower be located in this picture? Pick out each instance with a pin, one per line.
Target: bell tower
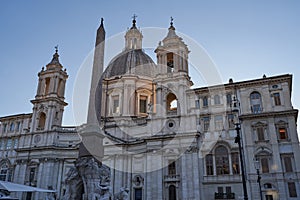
(172, 53)
(48, 105)
(173, 75)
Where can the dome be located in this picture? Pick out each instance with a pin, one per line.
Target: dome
(134, 61)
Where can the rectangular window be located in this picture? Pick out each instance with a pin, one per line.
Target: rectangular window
(209, 164)
(218, 122)
(12, 127)
(197, 103)
(205, 101)
(4, 128)
(116, 106)
(230, 121)
(292, 189)
(235, 163)
(32, 172)
(16, 142)
(172, 167)
(228, 190)
(264, 165)
(2, 144)
(260, 133)
(282, 133)
(220, 190)
(9, 143)
(206, 123)
(288, 164)
(256, 108)
(276, 97)
(138, 193)
(3, 173)
(217, 100)
(228, 99)
(143, 104)
(18, 126)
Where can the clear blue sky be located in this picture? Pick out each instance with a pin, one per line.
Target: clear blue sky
(246, 39)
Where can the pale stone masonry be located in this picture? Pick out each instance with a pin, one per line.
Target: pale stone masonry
(163, 140)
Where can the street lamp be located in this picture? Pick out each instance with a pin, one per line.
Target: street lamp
(257, 166)
(235, 109)
(238, 141)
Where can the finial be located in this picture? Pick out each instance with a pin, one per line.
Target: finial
(55, 59)
(171, 23)
(134, 20)
(134, 16)
(102, 21)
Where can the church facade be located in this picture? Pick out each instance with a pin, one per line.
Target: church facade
(162, 139)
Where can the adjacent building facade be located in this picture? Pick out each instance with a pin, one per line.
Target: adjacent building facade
(163, 140)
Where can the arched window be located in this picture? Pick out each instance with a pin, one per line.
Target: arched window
(172, 192)
(255, 102)
(42, 121)
(222, 160)
(5, 172)
(170, 63)
(171, 102)
(217, 162)
(47, 85)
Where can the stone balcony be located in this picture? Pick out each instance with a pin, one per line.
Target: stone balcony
(172, 178)
(224, 195)
(233, 178)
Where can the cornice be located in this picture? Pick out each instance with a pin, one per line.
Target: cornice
(293, 112)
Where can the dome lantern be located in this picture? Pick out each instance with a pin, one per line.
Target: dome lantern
(133, 37)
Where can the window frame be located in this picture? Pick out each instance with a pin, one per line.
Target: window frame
(205, 101)
(222, 160)
(228, 98)
(287, 162)
(292, 189)
(171, 167)
(235, 161)
(209, 164)
(256, 102)
(260, 133)
(206, 123)
(277, 99)
(265, 165)
(5, 171)
(217, 99)
(143, 102)
(115, 108)
(218, 120)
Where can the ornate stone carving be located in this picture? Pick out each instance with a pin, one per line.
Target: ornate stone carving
(88, 180)
(122, 195)
(74, 185)
(138, 180)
